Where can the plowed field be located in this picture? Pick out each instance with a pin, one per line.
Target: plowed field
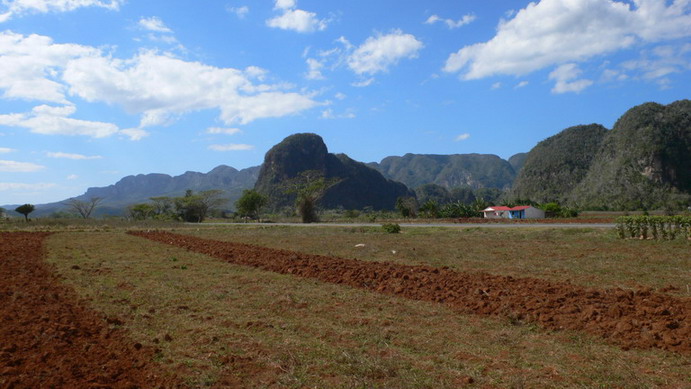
(50, 339)
(631, 319)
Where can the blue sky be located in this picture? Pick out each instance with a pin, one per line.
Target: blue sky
(95, 90)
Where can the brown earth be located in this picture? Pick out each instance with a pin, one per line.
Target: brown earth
(638, 319)
(480, 220)
(51, 339)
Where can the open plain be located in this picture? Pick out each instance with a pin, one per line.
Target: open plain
(263, 306)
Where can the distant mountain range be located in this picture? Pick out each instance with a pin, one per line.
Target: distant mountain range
(644, 162)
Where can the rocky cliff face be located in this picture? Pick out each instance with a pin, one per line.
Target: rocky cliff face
(645, 161)
(358, 185)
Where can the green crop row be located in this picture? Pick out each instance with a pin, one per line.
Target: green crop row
(654, 227)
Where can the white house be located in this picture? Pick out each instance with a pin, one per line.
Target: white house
(519, 212)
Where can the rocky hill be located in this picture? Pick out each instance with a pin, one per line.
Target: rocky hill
(450, 171)
(644, 162)
(359, 186)
(556, 165)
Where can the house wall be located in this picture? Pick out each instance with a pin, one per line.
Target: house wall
(534, 213)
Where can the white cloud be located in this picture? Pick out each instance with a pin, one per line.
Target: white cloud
(10, 8)
(72, 156)
(380, 52)
(462, 137)
(5, 150)
(285, 4)
(72, 177)
(466, 19)
(329, 114)
(154, 24)
(231, 147)
(553, 32)
(496, 85)
(223, 131)
(48, 120)
(363, 83)
(566, 77)
(298, 20)
(522, 84)
(19, 167)
(314, 69)
(7, 186)
(161, 86)
(240, 12)
(30, 66)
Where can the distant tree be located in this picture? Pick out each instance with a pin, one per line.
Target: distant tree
(464, 195)
(141, 211)
(250, 203)
(194, 208)
(309, 187)
(25, 210)
(3, 211)
(163, 206)
(84, 208)
(407, 206)
(430, 209)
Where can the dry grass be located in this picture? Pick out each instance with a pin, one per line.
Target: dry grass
(590, 257)
(219, 323)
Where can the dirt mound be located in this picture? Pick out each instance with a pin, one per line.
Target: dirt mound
(50, 339)
(640, 319)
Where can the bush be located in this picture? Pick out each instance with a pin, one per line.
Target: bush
(391, 228)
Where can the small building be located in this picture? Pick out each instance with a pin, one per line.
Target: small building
(519, 212)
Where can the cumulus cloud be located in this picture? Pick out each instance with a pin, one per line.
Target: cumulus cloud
(160, 86)
(30, 66)
(566, 77)
(154, 24)
(240, 12)
(5, 150)
(49, 120)
(10, 8)
(231, 147)
(78, 157)
(380, 52)
(466, 19)
(522, 84)
(295, 19)
(314, 71)
(553, 32)
(462, 137)
(19, 167)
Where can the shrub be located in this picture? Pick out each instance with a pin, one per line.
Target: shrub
(391, 228)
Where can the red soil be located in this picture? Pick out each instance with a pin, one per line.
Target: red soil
(50, 339)
(640, 319)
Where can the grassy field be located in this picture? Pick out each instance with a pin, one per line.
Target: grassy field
(218, 323)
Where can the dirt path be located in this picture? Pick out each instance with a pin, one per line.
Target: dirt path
(48, 338)
(640, 319)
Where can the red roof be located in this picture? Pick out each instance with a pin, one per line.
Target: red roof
(502, 208)
(498, 208)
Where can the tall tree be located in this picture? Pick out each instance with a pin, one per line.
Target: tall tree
(194, 208)
(25, 210)
(84, 208)
(309, 187)
(250, 204)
